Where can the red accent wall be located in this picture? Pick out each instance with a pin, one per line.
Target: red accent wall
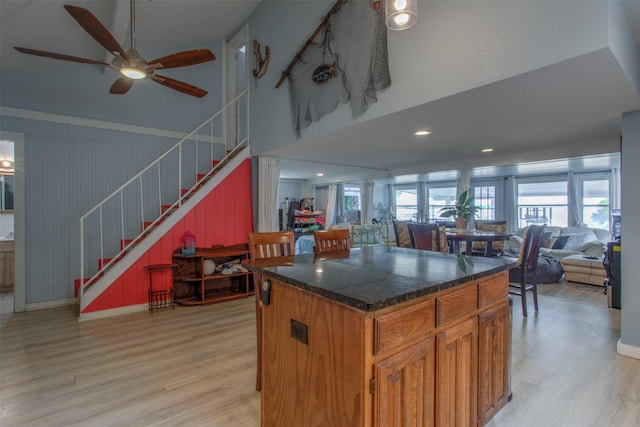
(222, 218)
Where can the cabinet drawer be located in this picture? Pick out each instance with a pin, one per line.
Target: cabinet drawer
(456, 304)
(400, 327)
(492, 290)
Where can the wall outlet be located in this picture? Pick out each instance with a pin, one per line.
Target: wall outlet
(299, 331)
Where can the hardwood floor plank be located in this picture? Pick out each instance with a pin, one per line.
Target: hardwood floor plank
(196, 366)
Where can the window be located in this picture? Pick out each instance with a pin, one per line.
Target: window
(485, 198)
(439, 197)
(594, 196)
(542, 202)
(351, 195)
(407, 204)
(351, 198)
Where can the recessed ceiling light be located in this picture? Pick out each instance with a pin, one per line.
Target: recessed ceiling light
(422, 132)
(319, 174)
(487, 150)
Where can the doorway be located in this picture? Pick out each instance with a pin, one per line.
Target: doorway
(236, 64)
(17, 220)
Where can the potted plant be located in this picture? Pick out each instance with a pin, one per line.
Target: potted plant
(462, 210)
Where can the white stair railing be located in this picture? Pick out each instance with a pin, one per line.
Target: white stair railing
(145, 200)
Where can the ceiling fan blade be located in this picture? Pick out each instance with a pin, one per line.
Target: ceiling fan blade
(179, 86)
(59, 56)
(121, 86)
(94, 27)
(183, 59)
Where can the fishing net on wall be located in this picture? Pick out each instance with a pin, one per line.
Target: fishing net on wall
(310, 100)
(350, 59)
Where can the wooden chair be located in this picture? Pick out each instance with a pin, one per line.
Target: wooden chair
(425, 236)
(271, 244)
(331, 240)
(527, 264)
(266, 245)
(500, 226)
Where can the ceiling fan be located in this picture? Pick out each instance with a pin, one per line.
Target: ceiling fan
(130, 64)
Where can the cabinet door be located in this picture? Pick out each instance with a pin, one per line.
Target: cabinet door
(405, 386)
(456, 375)
(493, 363)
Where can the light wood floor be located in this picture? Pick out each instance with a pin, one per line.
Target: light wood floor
(196, 366)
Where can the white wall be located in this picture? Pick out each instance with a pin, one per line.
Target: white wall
(630, 175)
(455, 46)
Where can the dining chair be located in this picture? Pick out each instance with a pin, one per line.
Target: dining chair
(262, 245)
(425, 236)
(526, 268)
(499, 226)
(331, 240)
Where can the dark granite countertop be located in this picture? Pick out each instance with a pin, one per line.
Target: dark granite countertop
(374, 277)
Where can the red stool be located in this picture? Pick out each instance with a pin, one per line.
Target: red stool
(161, 298)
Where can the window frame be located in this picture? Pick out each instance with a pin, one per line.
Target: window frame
(542, 179)
(405, 187)
(436, 208)
(580, 179)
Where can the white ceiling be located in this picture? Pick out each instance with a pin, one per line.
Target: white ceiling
(565, 110)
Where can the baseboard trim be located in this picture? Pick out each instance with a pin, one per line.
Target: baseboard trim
(113, 312)
(628, 350)
(51, 304)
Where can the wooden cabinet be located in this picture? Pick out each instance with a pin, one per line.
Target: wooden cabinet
(199, 278)
(437, 361)
(456, 375)
(6, 265)
(404, 387)
(493, 391)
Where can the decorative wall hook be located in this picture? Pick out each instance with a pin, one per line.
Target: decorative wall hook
(261, 62)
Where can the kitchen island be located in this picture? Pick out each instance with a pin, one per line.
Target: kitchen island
(383, 336)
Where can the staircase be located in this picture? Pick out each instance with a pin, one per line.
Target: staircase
(125, 224)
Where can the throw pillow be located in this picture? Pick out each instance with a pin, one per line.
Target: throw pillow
(546, 239)
(444, 244)
(578, 240)
(560, 242)
(403, 239)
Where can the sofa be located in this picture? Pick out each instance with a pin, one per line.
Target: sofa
(577, 250)
(561, 242)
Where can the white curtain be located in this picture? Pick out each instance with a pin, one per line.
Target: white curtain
(366, 201)
(330, 214)
(423, 213)
(511, 208)
(340, 218)
(268, 179)
(574, 202)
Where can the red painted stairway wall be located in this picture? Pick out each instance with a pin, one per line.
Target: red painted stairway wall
(223, 217)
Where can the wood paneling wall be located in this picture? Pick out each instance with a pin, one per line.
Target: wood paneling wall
(222, 218)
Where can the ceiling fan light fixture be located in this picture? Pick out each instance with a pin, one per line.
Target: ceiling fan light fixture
(133, 73)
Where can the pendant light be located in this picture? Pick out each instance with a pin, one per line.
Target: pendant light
(401, 14)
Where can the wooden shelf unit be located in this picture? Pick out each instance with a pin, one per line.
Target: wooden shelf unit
(193, 287)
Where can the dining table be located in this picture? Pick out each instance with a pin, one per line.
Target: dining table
(456, 236)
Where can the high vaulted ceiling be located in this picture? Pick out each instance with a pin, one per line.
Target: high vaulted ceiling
(568, 109)
(162, 27)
